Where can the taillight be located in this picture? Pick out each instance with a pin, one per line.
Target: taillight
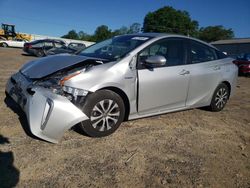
(28, 46)
(235, 62)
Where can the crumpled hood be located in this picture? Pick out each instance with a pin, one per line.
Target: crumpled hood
(42, 67)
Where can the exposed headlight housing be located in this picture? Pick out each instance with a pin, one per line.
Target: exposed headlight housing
(68, 77)
(75, 91)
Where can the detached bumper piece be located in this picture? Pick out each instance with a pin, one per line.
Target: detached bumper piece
(49, 115)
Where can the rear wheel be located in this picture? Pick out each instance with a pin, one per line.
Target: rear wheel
(40, 53)
(5, 45)
(106, 112)
(220, 98)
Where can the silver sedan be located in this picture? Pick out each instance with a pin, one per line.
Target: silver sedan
(123, 78)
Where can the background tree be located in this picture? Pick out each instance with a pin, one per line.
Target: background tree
(101, 33)
(72, 34)
(163, 20)
(214, 33)
(170, 20)
(134, 28)
(84, 36)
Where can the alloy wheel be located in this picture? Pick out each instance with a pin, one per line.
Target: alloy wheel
(4, 45)
(105, 115)
(221, 98)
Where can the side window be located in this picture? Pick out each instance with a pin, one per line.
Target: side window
(37, 45)
(48, 45)
(221, 55)
(201, 53)
(172, 49)
(58, 45)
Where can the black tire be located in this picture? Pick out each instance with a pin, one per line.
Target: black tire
(220, 98)
(40, 53)
(106, 112)
(5, 45)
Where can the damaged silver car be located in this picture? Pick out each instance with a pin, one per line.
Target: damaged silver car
(123, 78)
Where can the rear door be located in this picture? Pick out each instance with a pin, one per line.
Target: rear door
(205, 73)
(48, 45)
(161, 88)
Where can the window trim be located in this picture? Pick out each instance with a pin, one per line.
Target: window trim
(189, 60)
(185, 43)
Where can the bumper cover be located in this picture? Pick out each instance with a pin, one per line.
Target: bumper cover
(244, 69)
(49, 115)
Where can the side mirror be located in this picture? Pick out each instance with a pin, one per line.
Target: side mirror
(156, 60)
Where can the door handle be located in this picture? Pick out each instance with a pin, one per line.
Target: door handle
(216, 67)
(184, 72)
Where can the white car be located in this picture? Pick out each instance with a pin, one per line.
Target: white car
(17, 43)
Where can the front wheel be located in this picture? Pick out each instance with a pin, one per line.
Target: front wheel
(220, 98)
(106, 112)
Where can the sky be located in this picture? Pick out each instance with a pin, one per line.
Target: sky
(57, 17)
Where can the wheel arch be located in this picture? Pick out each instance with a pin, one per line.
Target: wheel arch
(123, 96)
(2, 43)
(228, 85)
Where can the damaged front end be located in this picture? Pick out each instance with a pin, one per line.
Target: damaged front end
(50, 106)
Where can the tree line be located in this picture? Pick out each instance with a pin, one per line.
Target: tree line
(163, 20)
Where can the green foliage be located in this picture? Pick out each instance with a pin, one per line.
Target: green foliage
(134, 28)
(163, 20)
(214, 33)
(169, 20)
(101, 33)
(84, 36)
(72, 34)
(123, 30)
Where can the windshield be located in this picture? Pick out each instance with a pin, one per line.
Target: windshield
(114, 48)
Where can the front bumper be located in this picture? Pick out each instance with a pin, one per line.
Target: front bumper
(49, 115)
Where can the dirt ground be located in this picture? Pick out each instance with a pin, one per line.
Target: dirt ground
(193, 148)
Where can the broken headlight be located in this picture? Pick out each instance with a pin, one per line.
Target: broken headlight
(75, 91)
(51, 84)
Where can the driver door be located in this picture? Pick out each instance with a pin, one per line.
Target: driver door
(165, 87)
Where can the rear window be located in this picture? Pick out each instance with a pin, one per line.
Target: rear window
(201, 53)
(35, 42)
(221, 55)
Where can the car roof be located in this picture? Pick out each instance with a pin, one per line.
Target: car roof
(76, 43)
(48, 40)
(163, 35)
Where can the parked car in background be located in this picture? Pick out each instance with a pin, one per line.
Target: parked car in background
(60, 50)
(16, 43)
(41, 48)
(76, 46)
(125, 77)
(243, 63)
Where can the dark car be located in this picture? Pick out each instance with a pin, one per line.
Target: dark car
(42, 48)
(243, 62)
